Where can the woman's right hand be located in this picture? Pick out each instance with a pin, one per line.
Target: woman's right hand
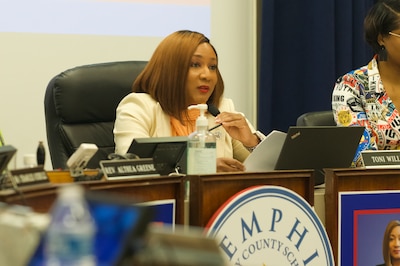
(237, 127)
(229, 165)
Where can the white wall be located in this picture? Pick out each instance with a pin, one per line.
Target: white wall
(233, 32)
(29, 61)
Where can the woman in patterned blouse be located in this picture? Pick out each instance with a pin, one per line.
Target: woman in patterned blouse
(368, 96)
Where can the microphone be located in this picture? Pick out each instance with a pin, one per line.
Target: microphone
(212, 109)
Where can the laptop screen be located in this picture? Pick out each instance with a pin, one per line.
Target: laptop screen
(319, 147)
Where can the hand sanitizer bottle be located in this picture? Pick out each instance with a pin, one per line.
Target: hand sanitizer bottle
(202, 147)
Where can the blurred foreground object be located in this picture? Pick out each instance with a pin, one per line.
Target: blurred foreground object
(69, 239)
(182, 246)
(20, 231)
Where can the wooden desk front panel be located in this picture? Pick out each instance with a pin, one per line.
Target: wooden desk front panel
(209, 192)
(352, 179)
(41, 197)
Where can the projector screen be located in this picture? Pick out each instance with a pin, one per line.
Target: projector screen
(107, 17)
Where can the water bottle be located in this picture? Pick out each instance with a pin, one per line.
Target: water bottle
(69, 239)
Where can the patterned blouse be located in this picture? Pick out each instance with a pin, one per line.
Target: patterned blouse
(359, 99)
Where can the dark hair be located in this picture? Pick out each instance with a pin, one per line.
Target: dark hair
(164, 76)
(382, 18)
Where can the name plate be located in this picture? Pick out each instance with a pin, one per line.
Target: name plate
(381, 159)
(118, 169)
(29, 176)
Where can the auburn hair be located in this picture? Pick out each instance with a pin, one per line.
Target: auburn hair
(164, 77)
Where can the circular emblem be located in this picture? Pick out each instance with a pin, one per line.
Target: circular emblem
(344, 117)
(270, 226)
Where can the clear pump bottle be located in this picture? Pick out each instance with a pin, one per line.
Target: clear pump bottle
(202, 147)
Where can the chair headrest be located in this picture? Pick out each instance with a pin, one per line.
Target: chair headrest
(91, 93)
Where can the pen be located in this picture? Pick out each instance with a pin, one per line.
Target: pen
(214, 127)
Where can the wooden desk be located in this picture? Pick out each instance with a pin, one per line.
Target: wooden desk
(352, 179)
(209, 192)
(40, 197)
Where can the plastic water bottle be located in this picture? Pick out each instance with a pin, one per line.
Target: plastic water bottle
(69, 239)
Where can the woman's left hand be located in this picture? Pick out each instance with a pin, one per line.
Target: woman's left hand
(229, 165)
(236, 126)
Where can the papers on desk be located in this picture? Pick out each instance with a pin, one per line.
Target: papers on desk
(266, 154)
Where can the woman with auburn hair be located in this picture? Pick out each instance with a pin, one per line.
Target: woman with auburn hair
(183, 71)
(391, 244)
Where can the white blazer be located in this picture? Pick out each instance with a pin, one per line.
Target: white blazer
(139, 116)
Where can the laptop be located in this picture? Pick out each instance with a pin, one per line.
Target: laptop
(307, 147)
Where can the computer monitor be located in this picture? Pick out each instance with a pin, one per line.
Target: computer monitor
(6, 154)
(168, 153)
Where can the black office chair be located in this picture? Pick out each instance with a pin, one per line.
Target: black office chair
(80, 105)
(318, 118)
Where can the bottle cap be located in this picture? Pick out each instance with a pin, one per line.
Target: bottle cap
(201, 121)
(71, 191)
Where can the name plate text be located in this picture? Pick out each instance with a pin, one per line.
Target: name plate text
(116, 169)
(381, 159)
